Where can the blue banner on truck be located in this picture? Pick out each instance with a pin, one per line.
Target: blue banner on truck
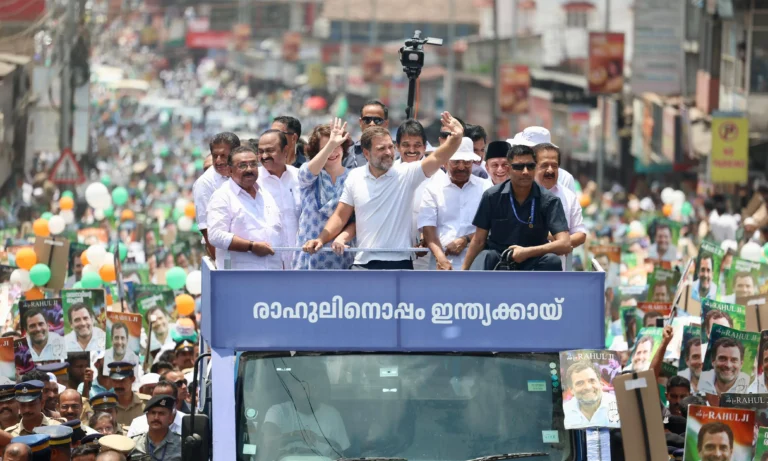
(403, 310)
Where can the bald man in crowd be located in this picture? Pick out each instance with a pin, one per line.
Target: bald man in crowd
(17, 452)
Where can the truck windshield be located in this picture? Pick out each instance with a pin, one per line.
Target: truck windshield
(416, 407)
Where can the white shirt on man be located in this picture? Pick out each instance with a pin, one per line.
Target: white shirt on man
(202, 191)
(451, 209)
(233, 212)
(383, 209)
(97, 342)
(54, 349)
(707, 383)
(326, 421)
(287, 194)
(607, 414)
(572, 209)
(566, 180)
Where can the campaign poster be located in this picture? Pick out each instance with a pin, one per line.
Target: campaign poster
(646, 345)
(729, 365)
(589, 399)
(761, 445)
(651, 311)
(151, 296)
(755, 402)
(706, 277)
(662, 284)
(691, 352)
(719, 313)
(629, 323)
(678, 324)
(123, 337)
(605, 62)
(742, 279)
(85, 319)
(609, 257)
(761, 365)
(22, 356)
(7, 361)
(41, 323)
(664, 237)
(711, 428)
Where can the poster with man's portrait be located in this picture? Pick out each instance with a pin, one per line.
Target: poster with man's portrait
(761, 444)
(664, 234)
(729, 365)
(719, 313)
(741, 280)
(609, 257)
(589, 399)
(123, 338)
(706, 277)
(646, 345)
(662, 284)
(691, 353)
(41, 321)
(755, 402)
(85, 318)
(7, 362)
(716, 433)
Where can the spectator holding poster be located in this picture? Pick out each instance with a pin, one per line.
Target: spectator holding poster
(729, 364)
(589, 399)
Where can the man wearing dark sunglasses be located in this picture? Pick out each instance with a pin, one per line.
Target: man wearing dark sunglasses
(518, 214)
(373, 113)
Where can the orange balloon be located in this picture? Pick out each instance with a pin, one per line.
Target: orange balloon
(40, 228)
(189, 210)
(109, 300)
(127, 215)
(66, 203)
(26, 258)
(584, 200)
(667, 209)
(185, 304)
(34, 294)
(107, 272)
(84, 258)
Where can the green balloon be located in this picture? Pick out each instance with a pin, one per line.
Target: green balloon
(199, 164)
(176, 278)
(197, 152)
(91, 280)
(68, 193)
(686, 209)
(164, 152)
(177, 213)
(106, 180)
(765, 249)
(47, 215)
(77, 285)
(577, 186)
(195, 228)
(119, 196)
(109, 212)
(122, 251)
(40, 274)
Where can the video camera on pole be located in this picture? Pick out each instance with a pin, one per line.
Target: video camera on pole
(412, 59)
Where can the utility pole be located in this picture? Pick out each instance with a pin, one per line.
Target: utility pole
(603, 121)
(373, 38)
(495, 73)
(450, 76)
(69, 32)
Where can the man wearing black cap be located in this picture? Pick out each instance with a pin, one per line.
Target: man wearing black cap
(185, 355)
(9, 407)
(129, 403)
(496, 161)
(159, 442)
(29, 395)
(519, 215)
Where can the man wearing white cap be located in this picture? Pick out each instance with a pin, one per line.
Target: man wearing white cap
(534, 135)
(448, 205)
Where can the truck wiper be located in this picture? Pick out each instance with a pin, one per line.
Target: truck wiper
(373, 458)
(509, 456)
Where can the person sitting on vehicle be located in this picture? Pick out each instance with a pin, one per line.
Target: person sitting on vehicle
(304, 422)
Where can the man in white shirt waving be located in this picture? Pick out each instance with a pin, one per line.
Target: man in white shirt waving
(448, 206)
(381, 196)
(281, 180)
(245, 219)
(212, 179)
(547, 173)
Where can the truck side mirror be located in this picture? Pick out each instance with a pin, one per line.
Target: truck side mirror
(196, 446)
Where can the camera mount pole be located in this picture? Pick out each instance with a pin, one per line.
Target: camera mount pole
(412, 77)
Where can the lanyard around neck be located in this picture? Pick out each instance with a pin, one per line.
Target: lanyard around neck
(514, 210)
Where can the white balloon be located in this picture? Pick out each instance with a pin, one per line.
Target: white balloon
(56, 224)
(95, 255)
(68, 215)
(751, 251)
(729, 244)
(195, 283)
(90, 268)
(667, 195)
(108, 258)
(97, 195)
(678, 198)
(184, 223)
(180, 203)
(21, 278)
(98, 213)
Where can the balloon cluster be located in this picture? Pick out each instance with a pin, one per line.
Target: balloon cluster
(30, 273)
(675, 203)
(177, 278)
(98, 266)
(184, 214)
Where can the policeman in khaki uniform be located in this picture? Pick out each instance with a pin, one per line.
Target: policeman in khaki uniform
(118, 443)
(106, 402)
(129, 404)
(60, 441)
(29, 395)
(159, 443)
(8, 400)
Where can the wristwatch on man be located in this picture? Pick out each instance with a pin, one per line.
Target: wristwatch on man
(250, 247)
(467, 239)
